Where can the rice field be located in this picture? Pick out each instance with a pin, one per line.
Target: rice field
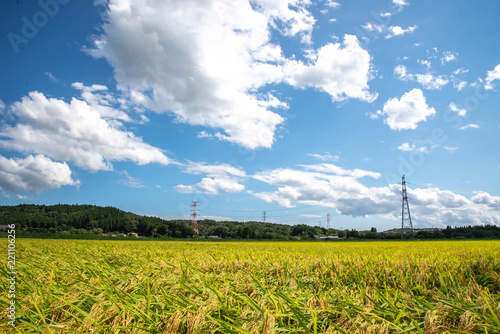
(88, 286)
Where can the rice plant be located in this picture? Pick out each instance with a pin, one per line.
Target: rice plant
(84, 286)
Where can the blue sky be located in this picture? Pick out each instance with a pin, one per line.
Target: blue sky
(294, 107)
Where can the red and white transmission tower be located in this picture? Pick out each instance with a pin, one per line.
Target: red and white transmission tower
(327, 221)
(194, 222)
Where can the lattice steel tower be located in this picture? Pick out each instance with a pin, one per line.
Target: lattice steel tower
(406, 224)
(194, 221)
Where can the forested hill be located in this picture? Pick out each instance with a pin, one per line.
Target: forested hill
(88, 219)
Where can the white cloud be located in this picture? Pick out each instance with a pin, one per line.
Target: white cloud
(34, 174)
(101, 101)
(458, 82)
(460, 111)
(426, 63)
(400, 2)
(430, 206)
(448, 56)
(451, 149)
(407, 112)
(51, 76)
(333, 169)
(181, 188)
(75, 132)
(492, 76)
(469, 126)
(131, 181)
(324, 157)
(374, 27)
(406, 147)
(204, 63)
(198, 168)
(220, 177)
(2, 106)
(482, 197)
(390, 31)
(332, 4)
(428, 81)
(442, 207)
(343, 193)
(398, 31)
(343, 71)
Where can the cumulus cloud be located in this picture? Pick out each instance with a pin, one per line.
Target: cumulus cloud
(398, 31)
(448, 56)
(428, 81)
(482, 197)
(407, 112)
(34, 174)
(328, 186)
(106, 104)
(460, 111)
(492, 76)
(400, 3)
(439, 207)
(220, 177)
(341, 70)
(348, 196)
(75, 132)
(204, 63)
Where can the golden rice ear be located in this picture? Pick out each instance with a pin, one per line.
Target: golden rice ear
(130, 286)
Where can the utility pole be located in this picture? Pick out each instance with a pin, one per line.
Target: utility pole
(264, 216)
(327, 221)
(194, 221)
(405, 212)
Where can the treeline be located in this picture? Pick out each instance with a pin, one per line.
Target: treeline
(466, 232)
(88, 220)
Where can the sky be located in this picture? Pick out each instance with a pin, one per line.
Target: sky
(295, 108)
